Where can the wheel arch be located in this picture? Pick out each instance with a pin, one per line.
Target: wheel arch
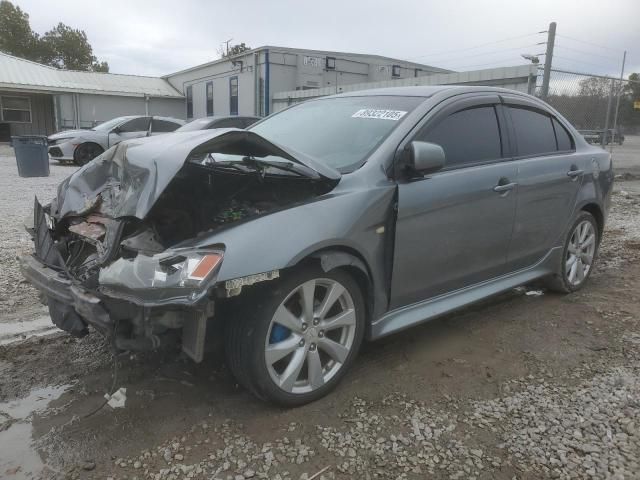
(595, 210)
(350, 260)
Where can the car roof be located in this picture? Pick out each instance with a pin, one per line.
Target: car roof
(425, 91)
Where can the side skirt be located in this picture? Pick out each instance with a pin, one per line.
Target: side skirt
(416, 313)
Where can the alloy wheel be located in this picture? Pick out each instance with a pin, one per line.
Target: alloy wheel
(580, 253)
(310, 336)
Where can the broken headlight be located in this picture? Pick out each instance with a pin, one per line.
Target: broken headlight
(172, 275)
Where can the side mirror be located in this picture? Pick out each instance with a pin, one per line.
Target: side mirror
(424, 157)
(116, 130)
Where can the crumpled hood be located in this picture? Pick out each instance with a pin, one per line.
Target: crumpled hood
(128, 179)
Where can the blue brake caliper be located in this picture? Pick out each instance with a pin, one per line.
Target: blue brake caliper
(279, 333)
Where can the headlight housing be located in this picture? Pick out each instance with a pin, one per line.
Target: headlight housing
(174, 276)
(58, 141)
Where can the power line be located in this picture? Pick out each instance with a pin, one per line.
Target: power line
(446, 52)
(588, 43)
(581, 61)
(585, 52)
(493, 52)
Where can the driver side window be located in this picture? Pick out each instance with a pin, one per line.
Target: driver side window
(467, 137)
(140, 124)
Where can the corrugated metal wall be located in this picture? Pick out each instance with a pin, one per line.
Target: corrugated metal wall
(42, 116)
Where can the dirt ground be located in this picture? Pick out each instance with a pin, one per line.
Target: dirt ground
(527, 385)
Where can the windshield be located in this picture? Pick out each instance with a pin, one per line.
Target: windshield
(339, 131)
(110, 124)
(198, 124)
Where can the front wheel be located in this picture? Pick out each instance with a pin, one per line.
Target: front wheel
(579, 255)
(86, 152)
(294, 343)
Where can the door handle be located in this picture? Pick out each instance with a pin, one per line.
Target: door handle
(574, 173)
(505, 188)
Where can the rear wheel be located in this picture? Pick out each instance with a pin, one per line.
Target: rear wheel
(294, 342)
(86, 152)
(579, 255)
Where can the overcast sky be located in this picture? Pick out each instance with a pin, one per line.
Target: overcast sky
(163, 36)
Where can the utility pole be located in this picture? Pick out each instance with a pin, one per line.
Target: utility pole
(227, 44)
(615, 116)
(551, 38)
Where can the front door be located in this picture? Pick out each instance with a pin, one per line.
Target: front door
(454, 227)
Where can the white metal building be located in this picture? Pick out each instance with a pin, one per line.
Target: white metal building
(245, 84)
(37, 99)
(521, 78)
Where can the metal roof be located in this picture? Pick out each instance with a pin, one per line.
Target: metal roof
(19, 74)
(362, 56)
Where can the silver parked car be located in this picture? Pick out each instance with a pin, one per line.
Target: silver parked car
(82, 146)
(337, 220)
(220, 121)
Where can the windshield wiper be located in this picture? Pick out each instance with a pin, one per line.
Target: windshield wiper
(261, 164)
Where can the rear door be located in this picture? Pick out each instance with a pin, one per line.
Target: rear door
(453, 227)
(549, 176)
(160, 126)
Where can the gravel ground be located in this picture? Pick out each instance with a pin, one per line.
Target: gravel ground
(16, 198)
(520, 387)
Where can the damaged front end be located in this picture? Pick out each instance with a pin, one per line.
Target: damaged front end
(121, 247)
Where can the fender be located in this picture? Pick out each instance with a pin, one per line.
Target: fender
(331, 259)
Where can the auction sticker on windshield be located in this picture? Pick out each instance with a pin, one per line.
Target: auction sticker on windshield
(394, 115)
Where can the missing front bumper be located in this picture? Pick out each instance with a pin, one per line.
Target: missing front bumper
(73, 309)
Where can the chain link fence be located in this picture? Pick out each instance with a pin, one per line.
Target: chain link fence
(600, 107)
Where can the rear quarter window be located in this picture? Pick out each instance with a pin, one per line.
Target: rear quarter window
(565, 142)
(534, 131)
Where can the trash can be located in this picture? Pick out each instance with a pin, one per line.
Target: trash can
(32, 155)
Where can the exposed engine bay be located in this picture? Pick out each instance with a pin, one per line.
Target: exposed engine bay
(200, 199)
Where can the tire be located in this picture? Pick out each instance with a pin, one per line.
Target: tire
(85, 152)
(569, 278)
(253, 336)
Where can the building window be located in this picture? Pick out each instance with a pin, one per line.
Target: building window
(190, 101)
(233, 96)
(331, 63)
(210, 99)
(395, 71)
(15, 109)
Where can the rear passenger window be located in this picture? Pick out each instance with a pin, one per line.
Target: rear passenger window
(228, 123)
(467, 137)
(163, 126)
(564, 139)
(534, 132)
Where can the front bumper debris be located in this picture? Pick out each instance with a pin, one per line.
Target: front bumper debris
(70, 306)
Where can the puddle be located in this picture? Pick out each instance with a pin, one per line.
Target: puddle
(19, 330)
(18, 458)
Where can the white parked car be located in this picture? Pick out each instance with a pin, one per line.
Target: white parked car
(82, 146)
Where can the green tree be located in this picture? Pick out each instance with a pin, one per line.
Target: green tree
(61, 47)
(235, 50)
(69, 48)
(16, 36)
